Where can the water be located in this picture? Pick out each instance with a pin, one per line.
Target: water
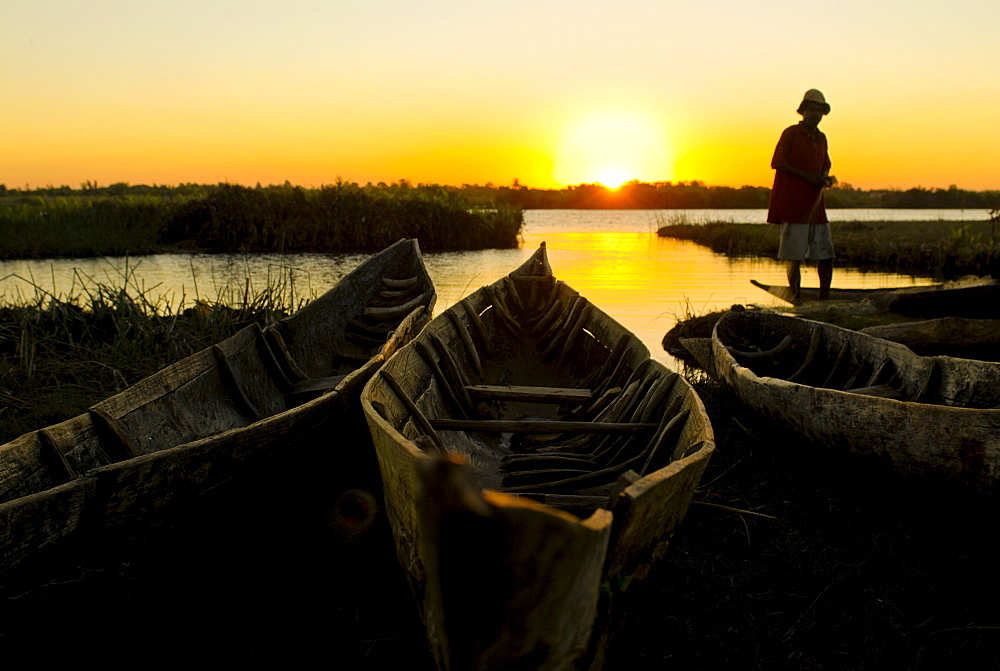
(614, 258)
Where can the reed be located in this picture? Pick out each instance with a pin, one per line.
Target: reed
(930, 248)
(229, 218)
(61, 354)
(47, 226)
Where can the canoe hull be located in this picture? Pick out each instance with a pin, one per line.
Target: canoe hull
(955, 336)
(948, 433)
(979, 298)
(194, 426)
(505, 579)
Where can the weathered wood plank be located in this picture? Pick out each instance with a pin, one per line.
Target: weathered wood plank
(318, 384)
(814, 341)
(774, 351)
(463, 333)
(880, 390)
(114, 438)
(402, 283)
(398, 311)
(539, 426)
(416, 412)
(526, 393)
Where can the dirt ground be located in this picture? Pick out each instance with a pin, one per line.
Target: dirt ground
(841, 567)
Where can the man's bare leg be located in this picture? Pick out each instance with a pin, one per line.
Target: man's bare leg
(825, 269)
(795, 277)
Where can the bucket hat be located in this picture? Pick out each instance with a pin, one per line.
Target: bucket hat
(814, 96)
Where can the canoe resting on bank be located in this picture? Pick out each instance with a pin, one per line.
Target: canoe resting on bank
(979, 298)
(926, 417)
(956, 336)
(212, 416)
(534, 460)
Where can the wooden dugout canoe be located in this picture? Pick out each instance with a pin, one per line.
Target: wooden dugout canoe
(930, 417)
(977, 298)
(211, 416)
(955, 336)
(534, 461)
(809, 294)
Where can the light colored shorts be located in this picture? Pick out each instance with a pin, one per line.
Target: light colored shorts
(805, 241)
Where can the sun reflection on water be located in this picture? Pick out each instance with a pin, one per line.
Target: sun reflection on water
(645, 282)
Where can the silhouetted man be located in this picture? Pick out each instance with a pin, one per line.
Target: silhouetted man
(802, 170)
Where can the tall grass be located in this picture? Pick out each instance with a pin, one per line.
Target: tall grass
(47, 226)
(229, 218)
(684, 218)
(930, 248)
(61, 354)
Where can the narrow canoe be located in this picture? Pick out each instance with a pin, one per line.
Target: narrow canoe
(929, 417)
(809, 294)
(535, 461)
(955, 336)
(211, 416)
(978, 298)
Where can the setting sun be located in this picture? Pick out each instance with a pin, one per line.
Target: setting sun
(468, 93)
(613, 148)
(613, 178)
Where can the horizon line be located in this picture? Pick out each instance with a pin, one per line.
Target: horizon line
(89, 185)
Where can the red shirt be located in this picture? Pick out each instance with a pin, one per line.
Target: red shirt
(792, 197)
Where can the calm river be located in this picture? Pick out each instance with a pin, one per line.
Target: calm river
(614, 258)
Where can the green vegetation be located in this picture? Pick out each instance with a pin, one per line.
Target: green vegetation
(47, 226)
(60, 355)
(120, 219)
(696, 195)
(929, 248)
(123, 219)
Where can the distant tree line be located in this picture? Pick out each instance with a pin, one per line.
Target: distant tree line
(697, 195)
(632, 195)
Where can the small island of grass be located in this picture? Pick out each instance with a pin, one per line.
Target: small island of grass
(940, 249)
(344, 217)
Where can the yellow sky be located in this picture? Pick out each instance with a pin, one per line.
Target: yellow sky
(455, 92)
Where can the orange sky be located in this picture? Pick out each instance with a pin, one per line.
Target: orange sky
(453, 92)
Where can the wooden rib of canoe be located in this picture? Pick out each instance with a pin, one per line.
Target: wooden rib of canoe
(977, 298)
(211, 416)
(932, 417)
(534, 461)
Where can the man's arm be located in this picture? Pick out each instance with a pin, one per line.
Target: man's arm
(817, 178)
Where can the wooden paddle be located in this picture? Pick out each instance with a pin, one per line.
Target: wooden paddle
(814, 212)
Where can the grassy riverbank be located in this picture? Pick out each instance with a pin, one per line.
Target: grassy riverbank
(61, 354)
(229, 218)
(929, 248)
(831, 566)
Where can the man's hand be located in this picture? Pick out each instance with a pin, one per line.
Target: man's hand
(817, 178)
(820, 179)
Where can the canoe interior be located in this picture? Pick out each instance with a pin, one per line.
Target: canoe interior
(828, 357)
(201, 420)
(524, 351)
(582, 452)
